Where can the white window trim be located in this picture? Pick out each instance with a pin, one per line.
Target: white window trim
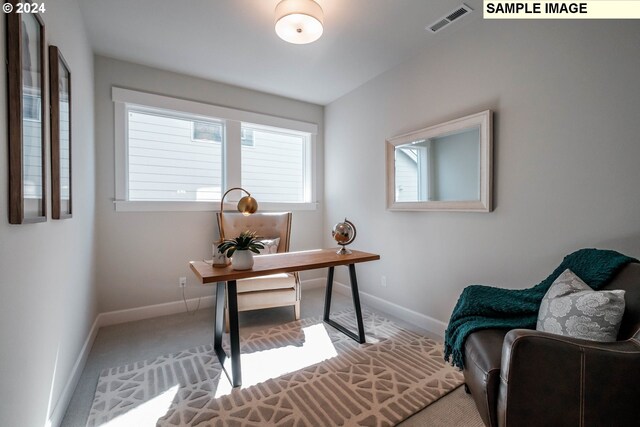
(182, 206)
(123, 98)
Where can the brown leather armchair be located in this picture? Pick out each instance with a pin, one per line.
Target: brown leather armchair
(524, 377)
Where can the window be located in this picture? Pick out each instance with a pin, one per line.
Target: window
(31, 105)
(412, 172)
(274, 166)
(32, 147)
(173, 154)
(165, 163)
(246, 136)
(206, 131)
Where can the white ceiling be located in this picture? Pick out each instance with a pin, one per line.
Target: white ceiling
(233, 41)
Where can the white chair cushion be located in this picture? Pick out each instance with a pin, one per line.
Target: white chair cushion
(265, 225)
(262, 283)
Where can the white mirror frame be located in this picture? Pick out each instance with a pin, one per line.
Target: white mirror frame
(484, 204)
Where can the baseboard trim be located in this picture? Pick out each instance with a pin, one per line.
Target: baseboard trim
(313, 283)
(418, 319)
(150, 311)
(60, 408)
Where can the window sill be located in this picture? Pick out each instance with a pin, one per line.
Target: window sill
(159, 206)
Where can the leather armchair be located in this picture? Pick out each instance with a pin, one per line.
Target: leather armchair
(524, 377)
(558, 381)
(276, 290)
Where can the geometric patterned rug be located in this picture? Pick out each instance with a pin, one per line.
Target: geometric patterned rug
(303, 373)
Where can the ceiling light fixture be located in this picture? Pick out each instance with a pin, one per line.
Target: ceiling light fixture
(299, 21)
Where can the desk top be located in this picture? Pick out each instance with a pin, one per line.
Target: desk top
(287, 262)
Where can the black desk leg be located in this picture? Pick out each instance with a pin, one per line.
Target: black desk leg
(327, 295)
(234, 333)
(356, 303)
(235, 378)
(219, 325)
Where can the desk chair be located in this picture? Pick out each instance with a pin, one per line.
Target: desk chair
(276, 290)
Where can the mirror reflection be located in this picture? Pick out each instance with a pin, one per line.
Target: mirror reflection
(32, 151)
(65, 139)
(442, 168)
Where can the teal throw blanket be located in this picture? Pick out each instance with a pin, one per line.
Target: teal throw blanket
(486, 307)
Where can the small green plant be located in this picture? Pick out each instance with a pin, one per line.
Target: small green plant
(246, 241)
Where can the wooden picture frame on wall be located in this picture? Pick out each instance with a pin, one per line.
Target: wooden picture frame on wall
(26, 107)
(60, 98)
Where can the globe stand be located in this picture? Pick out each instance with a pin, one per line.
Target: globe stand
(343, 251)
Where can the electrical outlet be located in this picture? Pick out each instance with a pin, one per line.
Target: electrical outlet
(182, 282)
(383, 281)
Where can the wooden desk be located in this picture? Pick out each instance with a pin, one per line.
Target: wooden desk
(288, 262)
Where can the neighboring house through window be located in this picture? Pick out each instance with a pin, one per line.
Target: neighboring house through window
(173, 154)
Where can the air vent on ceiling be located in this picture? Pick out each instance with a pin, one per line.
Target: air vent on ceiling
(457, 13)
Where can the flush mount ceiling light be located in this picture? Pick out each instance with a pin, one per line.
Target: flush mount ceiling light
(299, 21)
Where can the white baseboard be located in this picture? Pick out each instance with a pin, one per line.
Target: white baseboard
(150, 311)
(60, 408)
(313, 283)
(418, 319)
(173, 307)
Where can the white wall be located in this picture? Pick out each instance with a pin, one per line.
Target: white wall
(48, 299)
(140, 255)
(567, 149)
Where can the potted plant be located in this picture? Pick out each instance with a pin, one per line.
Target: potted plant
(241, 250)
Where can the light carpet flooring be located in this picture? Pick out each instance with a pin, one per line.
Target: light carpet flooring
(136, 341)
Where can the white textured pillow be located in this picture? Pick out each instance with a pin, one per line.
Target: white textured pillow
(270, 246)
(571, 308)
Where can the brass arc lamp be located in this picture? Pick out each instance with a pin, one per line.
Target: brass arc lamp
(246, 206)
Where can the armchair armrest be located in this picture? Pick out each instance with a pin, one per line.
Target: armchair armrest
(551, 380)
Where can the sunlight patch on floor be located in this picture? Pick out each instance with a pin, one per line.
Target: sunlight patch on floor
(257, 367)
(148, 413)
(263, 365)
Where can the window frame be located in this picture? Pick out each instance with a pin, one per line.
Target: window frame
(124, 99)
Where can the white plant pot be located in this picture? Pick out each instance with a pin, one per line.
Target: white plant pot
(219, 259)
(242, 260)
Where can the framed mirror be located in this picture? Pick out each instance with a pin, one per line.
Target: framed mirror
(446, 167)
(25, 93)
(60, 87)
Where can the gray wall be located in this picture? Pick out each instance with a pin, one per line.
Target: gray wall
(48, 301)
(567, 147)
(140, 255)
